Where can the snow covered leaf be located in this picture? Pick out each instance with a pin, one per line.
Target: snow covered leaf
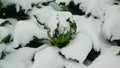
(48, 58)
(20, 58)
(96, 8)
(44, 15)
(85, 26)
(28, 30)
(111, 26)
(78, 48)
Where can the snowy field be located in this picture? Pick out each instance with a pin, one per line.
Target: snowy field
(59, 34)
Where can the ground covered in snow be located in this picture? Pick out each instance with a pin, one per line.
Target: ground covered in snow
(59, 34)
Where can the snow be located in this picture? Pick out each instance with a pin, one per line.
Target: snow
(25, 4)
(107, 60)
(28, 30)
(3, 33)
(111, 24)
(78, 48)
(48, 54)
(85, 26)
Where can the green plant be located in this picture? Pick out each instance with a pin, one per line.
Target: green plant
(60, 39)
